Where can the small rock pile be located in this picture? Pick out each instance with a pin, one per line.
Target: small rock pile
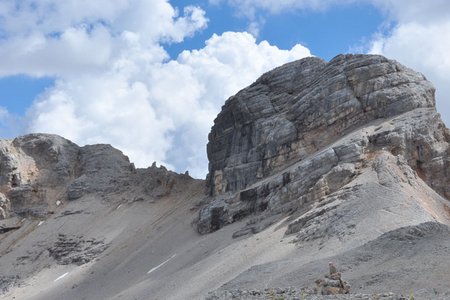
(330, 287)
(332, 284)
(256, 294)
(295, 294)
(75, 250)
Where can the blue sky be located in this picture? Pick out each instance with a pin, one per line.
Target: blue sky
(149, 76)
(18, 91)
(326, 33)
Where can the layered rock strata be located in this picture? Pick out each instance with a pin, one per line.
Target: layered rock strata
(306, 129)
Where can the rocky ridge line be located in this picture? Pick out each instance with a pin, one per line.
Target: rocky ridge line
(39, 172)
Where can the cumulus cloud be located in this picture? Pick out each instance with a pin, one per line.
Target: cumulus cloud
(69, 38)
(162, 111)
(420, 39)
(405, 11)
(204, 79)
(115, 82)
(108, 108)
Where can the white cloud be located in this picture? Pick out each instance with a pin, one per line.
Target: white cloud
(104, 109)
(420, 40)
(115, 83)
(204, 79)
(163, 111)
(424, 12)
(68, 38)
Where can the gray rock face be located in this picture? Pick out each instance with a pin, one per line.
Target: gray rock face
(308, 128)
(299, 108)
(100, 166)
(52, 153)
(5, 207)
(34, 169)
(75, 250)
(38, 172)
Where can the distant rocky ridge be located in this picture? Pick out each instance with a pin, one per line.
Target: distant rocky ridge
(306, 129)
(40, 171)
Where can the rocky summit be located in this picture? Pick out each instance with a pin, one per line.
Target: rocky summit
(306, 129)
(327, 180)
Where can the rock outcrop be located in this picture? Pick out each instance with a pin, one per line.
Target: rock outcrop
(38, 172)
(308, 128)
(5, 207)
(332, 283)
(75, 250)
(36, 168)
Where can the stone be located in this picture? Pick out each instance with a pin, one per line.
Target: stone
(6, 282)
(5, 207)
(305, 130)
(78, 188)
(332, 267)
(52, 153)
(332, 284)
(75, 250)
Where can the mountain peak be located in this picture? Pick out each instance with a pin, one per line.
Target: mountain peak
(308, 128)
(344, 161)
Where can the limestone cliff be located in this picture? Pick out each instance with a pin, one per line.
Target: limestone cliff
(306, 129)
(38, 172)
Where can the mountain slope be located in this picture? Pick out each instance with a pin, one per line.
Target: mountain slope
(345, 161)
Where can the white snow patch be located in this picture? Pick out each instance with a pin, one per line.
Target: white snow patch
(161, 264)
(61, 277)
